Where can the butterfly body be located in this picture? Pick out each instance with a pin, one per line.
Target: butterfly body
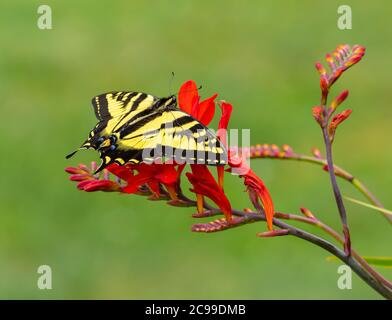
(137, 127)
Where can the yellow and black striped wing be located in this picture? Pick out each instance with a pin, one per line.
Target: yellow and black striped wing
(113, 110)
(169, 135)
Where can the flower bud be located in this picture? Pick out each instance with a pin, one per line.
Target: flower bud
(318, 114)
(339, 100)
(336, 121)
(306, 212)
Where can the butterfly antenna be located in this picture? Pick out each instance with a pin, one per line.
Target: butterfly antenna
(171, 82)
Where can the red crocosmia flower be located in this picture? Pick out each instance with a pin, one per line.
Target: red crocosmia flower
(89, 182)
(124, 172)
(255, 187)
(204, 184)
(151, 175)
(226, 109)
(202, 180)
(189, 101)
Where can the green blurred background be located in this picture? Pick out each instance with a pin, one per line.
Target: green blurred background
(257, 55)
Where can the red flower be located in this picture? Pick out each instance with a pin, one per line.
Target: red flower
(134, 177)
(90, 182)
(189, 101)
(255, 187)
(152, 175)
(204, 184)
(202, 180)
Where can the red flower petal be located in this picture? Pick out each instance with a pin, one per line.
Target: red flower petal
(154, 187)
(205, 110)
(204, 184)
(123, 172)
(138, 180)
(80, 177)
(165, 173)
(84, 183)
(257, 187)
(102, 185)
(188, 96)
(226, 108)
(73, 170)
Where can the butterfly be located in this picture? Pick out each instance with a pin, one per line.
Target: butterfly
(135, 127)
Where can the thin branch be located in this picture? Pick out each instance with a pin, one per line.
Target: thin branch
(356, 262)
(327, 229)
(368, 274)
(337, 193)
(360, 186)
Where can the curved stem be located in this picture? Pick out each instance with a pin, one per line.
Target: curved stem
(364, 274)
(339, 173)
(368, 274)
(373, 278)
(327, 229)
(356, 262)
(337, 193)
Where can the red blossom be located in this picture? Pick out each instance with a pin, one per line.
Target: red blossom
(189, 101)
(255, 187)
(151, 175)
(90, 182)
(204, 184)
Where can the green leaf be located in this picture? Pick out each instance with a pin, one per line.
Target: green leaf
(369, 205)
(384, 262)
